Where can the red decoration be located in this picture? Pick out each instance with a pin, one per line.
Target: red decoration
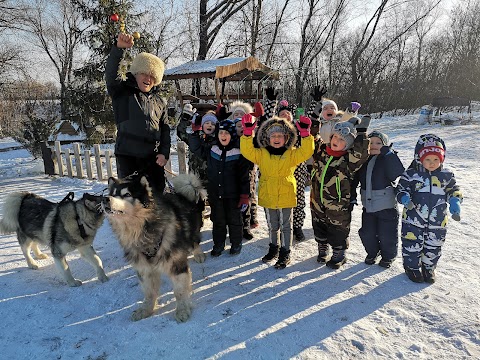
(114, 17)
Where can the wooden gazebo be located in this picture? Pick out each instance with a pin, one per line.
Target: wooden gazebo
(243, 69)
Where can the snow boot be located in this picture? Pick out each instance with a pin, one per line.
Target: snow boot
(283, 259)
(322, 252)
(272, 253)
(235, 249)
(298, 234)
(414, 274)
(216, 251)
(386, 263)
(370, 260)
(428, 274)
(337, 260)
(247, 234)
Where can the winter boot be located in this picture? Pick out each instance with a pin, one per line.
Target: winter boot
(370, 260)
(414, 274)
(283, 259)
(298, 234)
(272, 253)
(235, 249)
(428, 274)
(338, 259)
(217, 251)
(247, 234)
(322, 252)
(386, 263)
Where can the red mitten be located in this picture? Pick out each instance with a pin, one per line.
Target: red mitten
(248, 124)
(303, 125)
(244, 202)
(258, 110)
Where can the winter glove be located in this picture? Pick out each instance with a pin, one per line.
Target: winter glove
(406, 201)
(318, 92)
(303, 125)
(271, 94)
(364, 123)
(221, 112)
(455, 208)
(258, 112)
(196, 122)
(244, 202)
(248, 124)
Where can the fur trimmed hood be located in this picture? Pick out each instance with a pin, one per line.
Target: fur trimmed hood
(242, 106)
(263, 132)
(145, 63)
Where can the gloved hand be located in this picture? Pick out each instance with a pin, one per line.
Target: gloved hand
(244, 202)
(407, 201)
(221, 112)
(248, 124)
(258, 110)
(455, 208)
(364, 123)
(355, 106)
(318, 92)
(303, 125)
(271, 94)
(196, 122)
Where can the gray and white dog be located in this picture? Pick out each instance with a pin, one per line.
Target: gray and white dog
(64, 227)
(158, 234)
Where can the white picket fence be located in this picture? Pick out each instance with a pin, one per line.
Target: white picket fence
(100, 165)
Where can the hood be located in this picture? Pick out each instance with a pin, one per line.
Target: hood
(263, 136)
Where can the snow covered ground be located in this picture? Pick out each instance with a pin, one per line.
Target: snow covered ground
(245, 309)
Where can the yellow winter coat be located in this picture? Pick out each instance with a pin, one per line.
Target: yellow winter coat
(277, 186)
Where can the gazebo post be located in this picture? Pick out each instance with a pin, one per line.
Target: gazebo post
(217, 91)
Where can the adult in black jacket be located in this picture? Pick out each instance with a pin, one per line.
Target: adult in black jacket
(143, 136)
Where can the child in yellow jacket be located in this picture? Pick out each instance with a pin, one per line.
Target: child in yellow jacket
(277, 159)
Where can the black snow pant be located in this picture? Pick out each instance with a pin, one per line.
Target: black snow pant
(226, 215)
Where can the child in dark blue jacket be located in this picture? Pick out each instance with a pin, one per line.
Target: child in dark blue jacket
(424, 189)
(228, 185)
(379, 231)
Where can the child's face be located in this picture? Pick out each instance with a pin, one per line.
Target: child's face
(285, 114)
(208, 127)
(277, 140)
(431, 162)
(239, 128)
(224, 137)
(374, 145)
(328, 112)
(337, 143)
(144, 82)
(237, 114)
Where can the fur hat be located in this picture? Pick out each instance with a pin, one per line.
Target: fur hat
(430, 144)
(246, 108)
(276, 124)
(145, 63)
(383, 137)
(228, 125)
(209, 117)
(326, 102)
(189, 109)
(346, 130)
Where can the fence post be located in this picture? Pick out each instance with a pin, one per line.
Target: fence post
(108, 163)
(78, 160)
(182, 157)
(48, 159)
(68, 162)
(98, 162)
(88, 164)
(58, 154)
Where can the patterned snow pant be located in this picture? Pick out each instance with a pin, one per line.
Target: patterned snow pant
(326, 232)
(301, 177)
(250, 215)
(422, 246)
(279, 223)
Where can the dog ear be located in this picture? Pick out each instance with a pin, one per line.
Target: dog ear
(112, 181)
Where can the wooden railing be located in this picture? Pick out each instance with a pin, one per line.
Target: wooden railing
(99, 165)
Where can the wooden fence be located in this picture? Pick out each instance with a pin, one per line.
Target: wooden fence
(98, 165)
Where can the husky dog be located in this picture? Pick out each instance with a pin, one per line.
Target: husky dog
(64, 227)
(158, 234)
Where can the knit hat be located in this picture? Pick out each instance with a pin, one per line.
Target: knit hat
(329, 102)
(283, 105)
(189, 109)
(228, 125)
(145, 63)
(383, 137)
(209, 117)
(430, 145)
(346, 130)
(241, 106)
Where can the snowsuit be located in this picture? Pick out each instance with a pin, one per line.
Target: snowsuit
(139, 139)
(424, 226)
(227, 172)
(379, 231)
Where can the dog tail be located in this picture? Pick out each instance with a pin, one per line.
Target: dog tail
(11, 209)
(190, 187)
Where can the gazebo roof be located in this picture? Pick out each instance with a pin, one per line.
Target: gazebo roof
(230, 69)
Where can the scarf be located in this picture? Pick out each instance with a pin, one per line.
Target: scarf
(335, 153)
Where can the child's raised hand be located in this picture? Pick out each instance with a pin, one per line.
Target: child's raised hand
(196, 122)
(303, 125)
(124, 41)
(407, 201)
(248, 124)
(318, 92)
(455, 208)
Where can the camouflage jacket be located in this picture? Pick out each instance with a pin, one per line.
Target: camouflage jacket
(331, 180)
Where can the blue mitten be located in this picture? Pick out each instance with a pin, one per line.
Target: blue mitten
(407, 201)
(455, 208)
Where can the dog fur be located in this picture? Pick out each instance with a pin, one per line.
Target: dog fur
(157, 235)
(64, 227)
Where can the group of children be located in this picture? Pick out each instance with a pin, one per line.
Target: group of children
(341, 157)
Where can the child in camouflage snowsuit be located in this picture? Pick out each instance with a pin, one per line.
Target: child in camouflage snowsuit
(334, 166)
(424, 189)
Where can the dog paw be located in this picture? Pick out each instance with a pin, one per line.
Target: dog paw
(33, 266)
(103, 278)
(183, 312)
(141, 313)
(199, 257)
(75, 283)
(41, 256)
